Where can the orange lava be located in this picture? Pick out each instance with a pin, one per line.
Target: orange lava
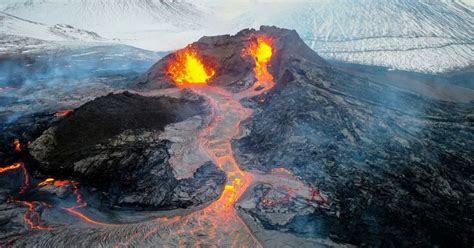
(32, 217)
(215, 140)
(46, 182)
(56, 183)
(218, 224)
(13, 166)
(80, 203)
(63, 113)
(17, 145)
(187, 67)
(262, 52)
(26, 180)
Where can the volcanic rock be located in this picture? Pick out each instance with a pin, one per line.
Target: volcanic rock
(396, 165)
(224, 53)
(113, 143)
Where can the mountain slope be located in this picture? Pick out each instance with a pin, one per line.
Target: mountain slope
(141, 23)
(410, 35)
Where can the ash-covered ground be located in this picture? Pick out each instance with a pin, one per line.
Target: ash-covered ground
(340, 156)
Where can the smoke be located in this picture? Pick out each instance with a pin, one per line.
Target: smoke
(65, 78)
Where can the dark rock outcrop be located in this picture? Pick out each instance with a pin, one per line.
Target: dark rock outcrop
(396, 165)
(113, 143)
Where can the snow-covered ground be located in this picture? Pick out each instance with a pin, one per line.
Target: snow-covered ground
(423, 35)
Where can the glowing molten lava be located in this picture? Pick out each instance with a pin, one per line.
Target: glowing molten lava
(187, 67)
(13, 166)
(32, 218)
(262, 52)
(63, 113)
(219, 223)
(56, 183)
(17, 145)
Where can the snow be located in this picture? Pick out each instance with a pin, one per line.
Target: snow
(467, 3)
(424, 35)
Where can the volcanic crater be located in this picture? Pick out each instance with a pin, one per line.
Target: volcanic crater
(265, 147)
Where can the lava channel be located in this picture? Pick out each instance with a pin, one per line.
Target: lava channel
(219, 223)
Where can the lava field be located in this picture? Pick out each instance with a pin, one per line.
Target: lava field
(245, 140)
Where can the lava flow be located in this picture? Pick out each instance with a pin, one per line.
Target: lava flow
(218, 224)
(13, 166)
(63, 113)
(32, 218)
(215, 141)
(80, 203)
(261, 51)
(17, 145)
(187, 67)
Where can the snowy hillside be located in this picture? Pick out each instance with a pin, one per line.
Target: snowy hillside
(430, 36)
(150, 24)
(403, 34)
(13, 25)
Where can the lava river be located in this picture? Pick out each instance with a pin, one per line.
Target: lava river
(218, 224)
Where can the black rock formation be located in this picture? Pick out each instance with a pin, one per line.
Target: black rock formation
(224, 53)
(113, 143)
(398, 166)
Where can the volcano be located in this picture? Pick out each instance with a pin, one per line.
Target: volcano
(245, 140)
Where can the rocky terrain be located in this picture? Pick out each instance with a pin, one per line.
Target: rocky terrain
(113, 143)
(398, 165)
(234, 72)
(328, 157)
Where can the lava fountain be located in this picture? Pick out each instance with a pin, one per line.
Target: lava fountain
(187, 67)
(261, 51)
(219, 223)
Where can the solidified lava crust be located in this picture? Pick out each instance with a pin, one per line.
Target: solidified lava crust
(284, 149)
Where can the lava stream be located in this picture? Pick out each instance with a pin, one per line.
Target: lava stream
(13, 166)
(219, 223)
(32, 218)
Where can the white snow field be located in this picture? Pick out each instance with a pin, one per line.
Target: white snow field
(422, 35)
